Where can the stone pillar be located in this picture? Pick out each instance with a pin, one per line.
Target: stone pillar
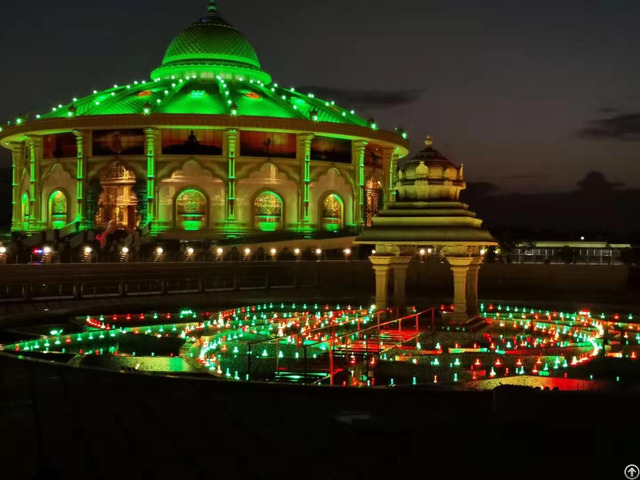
(400, 266)
(81, 167)
(460, 267)
(17, 163)
(382, 267)
(304, 157)
(390, 163)
(151, 135)
(472, 287)
(358, 163)
(34, 144)
(230, 145)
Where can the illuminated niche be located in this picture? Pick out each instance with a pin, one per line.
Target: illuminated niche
(58, 213)
(332, 213)
(267, 212)
(191, 210)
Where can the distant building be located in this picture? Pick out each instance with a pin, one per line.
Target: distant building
(584, 252)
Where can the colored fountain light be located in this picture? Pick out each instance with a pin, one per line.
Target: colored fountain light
(311, 342)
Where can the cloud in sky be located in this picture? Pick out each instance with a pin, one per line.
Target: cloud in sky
(623, 127)
(364, 98)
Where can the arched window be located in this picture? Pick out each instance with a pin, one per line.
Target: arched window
(332, 212)
(25, 211)
(191, 210)
(267, 211)
(57, 210)
(374, 199)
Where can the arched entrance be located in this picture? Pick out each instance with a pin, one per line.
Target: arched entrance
(267, 212)
(374, 198)
(58, 214)
(117, 204)
(332, 213)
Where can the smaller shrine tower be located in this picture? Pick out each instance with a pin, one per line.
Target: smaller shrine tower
(427, 213)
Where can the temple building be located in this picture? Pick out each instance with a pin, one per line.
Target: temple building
(427, 215)
(208, 147)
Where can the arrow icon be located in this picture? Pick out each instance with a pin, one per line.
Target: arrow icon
(631, 472)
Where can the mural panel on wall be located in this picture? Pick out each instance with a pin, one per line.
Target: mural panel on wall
(268, 144)
(62, 145)
(118, 142)
(192, 142)
(331, 149)
(373, 156)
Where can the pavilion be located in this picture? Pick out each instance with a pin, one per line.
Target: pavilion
(427, 213)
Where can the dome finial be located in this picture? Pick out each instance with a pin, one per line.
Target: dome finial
(213, 7)
(428, 141)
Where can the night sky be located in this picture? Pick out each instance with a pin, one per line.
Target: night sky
(529, 95)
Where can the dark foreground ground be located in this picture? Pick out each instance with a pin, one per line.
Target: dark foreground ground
(62, 422)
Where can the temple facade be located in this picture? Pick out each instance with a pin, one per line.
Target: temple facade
(208, 147)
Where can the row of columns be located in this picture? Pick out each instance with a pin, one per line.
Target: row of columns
(34, 145)
(465, 287)
(230, 143)
(358, 163)
(17, 165)
(384, 267)
(304, 157)
(465, 283)
(390, 165)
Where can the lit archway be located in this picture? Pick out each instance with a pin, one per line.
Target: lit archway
(332, 212)
(58, 214)
(267, 211)
(117, 203)
(191, 210)
(374, 198)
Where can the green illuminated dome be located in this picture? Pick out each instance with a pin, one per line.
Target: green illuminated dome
(210, 68)
(211, 45)
(211, 40)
